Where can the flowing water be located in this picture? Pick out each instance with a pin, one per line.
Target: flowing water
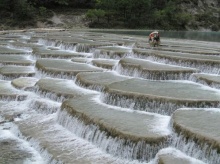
(39, 74)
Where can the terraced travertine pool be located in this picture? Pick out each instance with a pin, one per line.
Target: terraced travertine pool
(79, 97)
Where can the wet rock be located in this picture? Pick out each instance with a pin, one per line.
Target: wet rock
(200, 125)
(47, 53)
(98, 81)
(160, 96)
(153, 70)
(204, 63)
(58, 145)
(73, 43)
(26, 83)
(59, 89)
(174, 156)
(112, 52)
(64, 67)
(141, 134)
(10, 152)
(107, 64)
(5, 50)
(7, 91)
(208, 79)
(12, 72)
(15, 60)
(80, 60)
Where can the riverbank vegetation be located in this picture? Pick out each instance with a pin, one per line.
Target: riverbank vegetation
(133, 14)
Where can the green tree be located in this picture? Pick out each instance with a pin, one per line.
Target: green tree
(95, 13)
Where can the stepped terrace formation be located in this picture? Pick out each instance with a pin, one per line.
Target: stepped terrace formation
(89, 97)
(153, 70)
(212, 80)
(140, 138)
(202, 126)
(205, 63)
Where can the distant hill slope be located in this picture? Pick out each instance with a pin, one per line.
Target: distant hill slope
(205, 13)
(67, 19)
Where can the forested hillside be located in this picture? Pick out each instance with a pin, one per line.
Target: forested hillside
(159, 14)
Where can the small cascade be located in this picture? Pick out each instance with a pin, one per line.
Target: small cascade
(67, 46)
(49, 43)
(109, 54)
(34, 111)
(204, 82)
(75, 47)
(47, 157)
(206, 67)
(201, 151)
(95, 87)
(17, 47)
(44, 106)
(113, 145)
(50, 95)
(151, 74)
(22, 152)
(83, 48)
(41, 73)
(12, 77)
(159, 106)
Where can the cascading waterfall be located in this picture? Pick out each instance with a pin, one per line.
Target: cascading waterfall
(75, 47)
(47, 104)
(52, 96)
(203, 67)
(203, 82)
(92, 87)
(202, 152)
(109, 55)
(150, 105)
(61, 75)
(48, 158)
(152, 75)
(113, 145)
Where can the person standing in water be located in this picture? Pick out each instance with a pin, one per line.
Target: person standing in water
(154, 38)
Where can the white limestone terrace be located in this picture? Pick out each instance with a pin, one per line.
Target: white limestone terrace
(19, 45)
(72, 43)
(89, 80)
(162, 97)
(112, 52)
(173, 156)
(195, 50)
(204, 63)
(7, 50)
(16, 150)
(152, 70)
(93, 130)
(58, 145)
(59, 89)
(183, 45)
(105, 63)
(22, 60)
(24, 82)
(8, 92)
(191, 43)
(46, 52)
(199, 125)
(121, 132)
(12, 72)
(57, 67)
(211, 80)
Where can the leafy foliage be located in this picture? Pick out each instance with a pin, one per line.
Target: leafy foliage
(160, 14)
